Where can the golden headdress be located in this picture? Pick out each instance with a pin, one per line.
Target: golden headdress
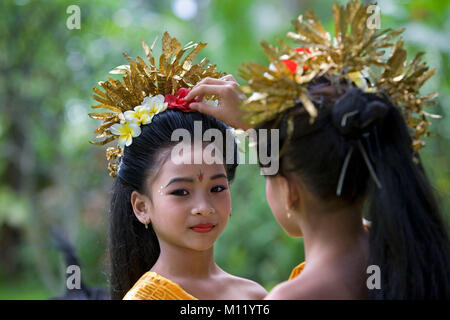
(145, 91)
(355, 53)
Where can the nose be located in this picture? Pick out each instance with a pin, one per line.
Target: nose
(204, 210)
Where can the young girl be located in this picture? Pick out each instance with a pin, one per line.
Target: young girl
(166, 211)
(346, 151)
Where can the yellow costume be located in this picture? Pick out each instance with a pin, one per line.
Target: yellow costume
(152, 286)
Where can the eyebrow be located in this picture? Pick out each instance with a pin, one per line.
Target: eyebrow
(186, 179)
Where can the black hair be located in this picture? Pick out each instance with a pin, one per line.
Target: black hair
(133, 249)
(408, 237)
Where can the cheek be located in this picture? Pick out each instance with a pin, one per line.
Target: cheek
(271, 196)
(222, 204)
(169, 212)
(277, 207)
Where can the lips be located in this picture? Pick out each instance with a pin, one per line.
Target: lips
(202, 228)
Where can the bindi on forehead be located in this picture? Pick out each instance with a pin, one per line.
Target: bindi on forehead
(200, 176)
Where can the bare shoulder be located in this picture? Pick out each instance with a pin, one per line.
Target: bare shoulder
(308, 288)
(281, 291)
(250, 289)
(295, 290)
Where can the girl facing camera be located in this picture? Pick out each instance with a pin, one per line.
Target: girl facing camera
(166, 211)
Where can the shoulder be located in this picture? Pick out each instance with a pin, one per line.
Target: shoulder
(280, 292)
(306, 287)
(292, 290)
(251, 289)
(152, 286)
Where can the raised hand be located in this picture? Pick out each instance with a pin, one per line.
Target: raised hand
(229, 100)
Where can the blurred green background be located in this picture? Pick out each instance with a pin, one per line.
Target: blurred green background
(51, 176)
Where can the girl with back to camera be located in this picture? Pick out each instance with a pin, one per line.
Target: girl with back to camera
(346, 152)
(166, 211)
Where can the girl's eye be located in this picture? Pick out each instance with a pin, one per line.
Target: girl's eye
(179, 192)
(218, 189)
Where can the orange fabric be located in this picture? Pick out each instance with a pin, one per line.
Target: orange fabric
(298, 269)
(152, 286)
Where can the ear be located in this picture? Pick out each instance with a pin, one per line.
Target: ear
(290, 191)
(141, 207)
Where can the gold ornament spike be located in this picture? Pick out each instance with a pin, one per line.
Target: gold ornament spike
(101, 115)
(317, 26)
(102, 143)
(99, 92)
(120, 70)
(104, 101)
(106, 125)
(309, 106)
(105, 106)
(356, 53)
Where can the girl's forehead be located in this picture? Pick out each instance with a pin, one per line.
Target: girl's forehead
(187, 167)
(196, 153)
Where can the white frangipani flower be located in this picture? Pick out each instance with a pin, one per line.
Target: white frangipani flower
(140, 115)
(133, 119)
(126, 132)
(155, 104)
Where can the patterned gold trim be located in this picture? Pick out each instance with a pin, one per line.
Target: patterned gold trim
(152, 286)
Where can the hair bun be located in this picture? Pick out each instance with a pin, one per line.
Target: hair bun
(354, 112)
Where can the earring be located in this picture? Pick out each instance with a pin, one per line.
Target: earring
(146, 225)
(289, 214)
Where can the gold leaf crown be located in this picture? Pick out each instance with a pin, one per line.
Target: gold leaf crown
(355, 53)
(140, 84)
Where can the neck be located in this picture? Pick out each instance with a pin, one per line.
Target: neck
(332, 235)
(178, 262)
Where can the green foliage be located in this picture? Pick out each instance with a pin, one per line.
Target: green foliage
(51, 176)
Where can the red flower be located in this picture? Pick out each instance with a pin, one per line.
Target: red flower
(292, 65)
(178, 102)
(301, 49)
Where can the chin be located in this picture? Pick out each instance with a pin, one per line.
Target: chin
(293, 232)
(201, 248)
(201, 245)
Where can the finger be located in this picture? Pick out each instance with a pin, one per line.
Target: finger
(209, 80)
(203, 108)
(230, 79)
(209, 89)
